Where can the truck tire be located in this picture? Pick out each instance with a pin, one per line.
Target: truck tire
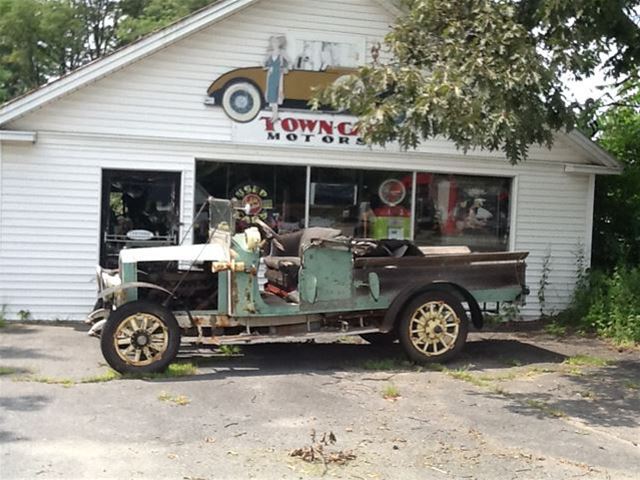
(433, 327)
(140, 337)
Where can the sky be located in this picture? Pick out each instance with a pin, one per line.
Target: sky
(588, 88)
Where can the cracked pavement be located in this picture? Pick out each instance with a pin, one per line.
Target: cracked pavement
(512, 407)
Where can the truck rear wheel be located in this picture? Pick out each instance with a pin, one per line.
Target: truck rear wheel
(433, 327)
(140, 337)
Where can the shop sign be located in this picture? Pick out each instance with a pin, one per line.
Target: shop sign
(258, 200)
(301, 129)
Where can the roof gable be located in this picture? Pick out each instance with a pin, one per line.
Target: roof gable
(184, 28)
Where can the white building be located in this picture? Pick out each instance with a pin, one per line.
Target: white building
(134, 141)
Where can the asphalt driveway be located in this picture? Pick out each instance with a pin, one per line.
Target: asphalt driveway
(516, 406)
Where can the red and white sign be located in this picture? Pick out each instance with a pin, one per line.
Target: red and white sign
(300, 129)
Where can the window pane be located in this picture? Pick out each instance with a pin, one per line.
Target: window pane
(463, 210)
(361, 203)
(276, 193)
(139, 209)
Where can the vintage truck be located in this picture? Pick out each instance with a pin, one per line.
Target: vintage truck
(317, 282)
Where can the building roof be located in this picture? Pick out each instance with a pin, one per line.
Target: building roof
(185, 27)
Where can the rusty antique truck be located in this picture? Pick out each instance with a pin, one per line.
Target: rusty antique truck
(317, 282)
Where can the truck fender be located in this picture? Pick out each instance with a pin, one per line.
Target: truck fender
(109, 292)
(405, 296)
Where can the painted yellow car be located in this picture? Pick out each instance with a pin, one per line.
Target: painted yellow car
(240, 92)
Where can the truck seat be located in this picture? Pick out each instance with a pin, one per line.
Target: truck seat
(283, 266)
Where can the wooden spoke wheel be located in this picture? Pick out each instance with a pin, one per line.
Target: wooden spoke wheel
(433, 327)
(140, 337)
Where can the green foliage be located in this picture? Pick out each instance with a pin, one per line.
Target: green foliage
(3, 320)
(230, 350)
(41, 40)
(617, 202)
(150, 15)
(608, 305)
(390, 392)
(466, 70)
(24, 315)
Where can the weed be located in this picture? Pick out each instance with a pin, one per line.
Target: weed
(181, 400)
(588, 394)
(607, 304)
(390, 392)
(230, 350)
(8, 370)
(65, 382)
(466, 376)
(586, 361)
(556, 329)
(435, 367)
(628, 384)
(514, 362)
(24, 315)
(545, 408)
(175, 370)
(544, 282)
(385, 364)
(107, 376)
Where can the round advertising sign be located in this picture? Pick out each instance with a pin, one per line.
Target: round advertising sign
(392, 192)
(257, 198)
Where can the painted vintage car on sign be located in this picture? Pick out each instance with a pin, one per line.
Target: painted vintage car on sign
(241, 92)
(319, 282)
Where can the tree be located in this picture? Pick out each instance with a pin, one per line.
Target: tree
(617, 205)
(41, 40)
(145, 16)
(485, 73)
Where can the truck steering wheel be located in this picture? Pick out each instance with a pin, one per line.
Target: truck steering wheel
(270, 233)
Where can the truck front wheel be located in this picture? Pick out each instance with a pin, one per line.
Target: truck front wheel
(433, 327)
(140, 337)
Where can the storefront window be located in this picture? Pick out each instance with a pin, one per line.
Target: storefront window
(361, 203)
(462, 210)
(449, 209)
(276, 194)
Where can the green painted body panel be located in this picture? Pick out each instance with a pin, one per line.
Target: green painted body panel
(330, 271)
(130, 274)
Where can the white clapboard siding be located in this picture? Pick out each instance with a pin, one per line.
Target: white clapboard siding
(151, 115)
(49, 244)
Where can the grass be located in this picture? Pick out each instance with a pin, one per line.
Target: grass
(386, 364)
(3, 320)
(585, 361)
(230, 350)
(466, 376)
(175, 370)
(65, 382)
(556, 329)
(181, 400)
(8, 370)
(107, 376)
(545, 408)
(390, 392)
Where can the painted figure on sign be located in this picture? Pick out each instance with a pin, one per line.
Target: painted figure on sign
(277, 66)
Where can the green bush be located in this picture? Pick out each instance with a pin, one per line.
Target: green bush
(608, 305)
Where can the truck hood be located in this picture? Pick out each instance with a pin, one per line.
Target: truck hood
(211, 252)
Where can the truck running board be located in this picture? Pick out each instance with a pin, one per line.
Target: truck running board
(248, 339)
